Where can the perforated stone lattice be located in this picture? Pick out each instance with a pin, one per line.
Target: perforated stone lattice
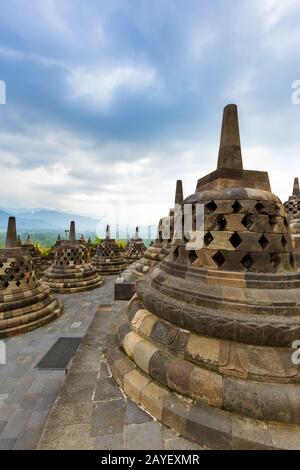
(71, 256)
(135, 249)
(16, 272)
(292, 207)
(108, 249)
(242, 235)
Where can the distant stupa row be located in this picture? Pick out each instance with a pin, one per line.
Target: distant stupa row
(206, 347)
(25, 303)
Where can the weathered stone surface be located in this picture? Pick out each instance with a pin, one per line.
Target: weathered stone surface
(25, 303)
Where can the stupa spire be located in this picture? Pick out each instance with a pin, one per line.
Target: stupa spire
(179, 192)
(11, 234)
(107, 235)
(230, 154)
(72, 233)
(296, 190)
(136, 233)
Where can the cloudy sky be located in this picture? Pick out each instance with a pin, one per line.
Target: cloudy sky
(111, 101)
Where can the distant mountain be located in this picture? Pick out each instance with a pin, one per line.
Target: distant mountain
(44, 219)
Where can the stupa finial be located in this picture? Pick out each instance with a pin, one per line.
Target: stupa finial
(296, 189)
(136, 233)
(230, 155)
(107, 236)
(72, 233)
(179, 192)
(11, 234)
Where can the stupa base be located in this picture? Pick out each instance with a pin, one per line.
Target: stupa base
(69, 288)
(109, 269)
(30, 321)
(205, 425)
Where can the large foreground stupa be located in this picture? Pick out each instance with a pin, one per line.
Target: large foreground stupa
(108, 259)
(207, 345)
(71, 270)
(25, 303)
(161, 246)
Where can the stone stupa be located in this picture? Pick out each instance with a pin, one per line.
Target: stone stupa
(108, 259)
(135, 248)
(161, 246)
(25, 303)
(207, 345)
(292, 206)
(71, 270)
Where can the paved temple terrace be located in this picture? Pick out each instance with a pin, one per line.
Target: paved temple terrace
(91, 411)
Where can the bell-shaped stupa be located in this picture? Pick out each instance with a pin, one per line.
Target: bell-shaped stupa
(135, 248)
(208, 345)
(108, 259)
(71, 270)
(292, 206)
(25, 303)
(161, 246)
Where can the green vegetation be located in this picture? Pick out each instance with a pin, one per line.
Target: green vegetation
(44, 240)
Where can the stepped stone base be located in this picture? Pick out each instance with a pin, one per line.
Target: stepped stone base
(68, 286)
(26, 313)
(152, 256)
(207, 426)
(109, 267)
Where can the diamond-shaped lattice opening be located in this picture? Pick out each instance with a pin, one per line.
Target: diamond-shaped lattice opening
(236, 207)
(285, 221)
(235, 240)
(292, 260)
(275, 260)
(283, 241)
(219, 259)
(263, 241)
(247, 261)
(272, 220)
(192, 256)
(259, 207)
(222, 222)
(18, 283)
(6, 284)
(211, 206)
(208, 238)
(247, 222)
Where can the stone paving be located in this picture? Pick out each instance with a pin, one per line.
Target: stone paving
(27, 393)
(91, 411)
